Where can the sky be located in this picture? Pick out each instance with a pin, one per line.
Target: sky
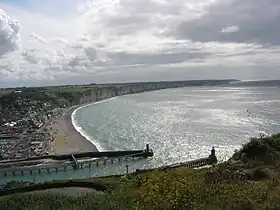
(83, 41)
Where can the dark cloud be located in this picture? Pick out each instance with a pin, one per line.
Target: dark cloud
(258, 22)
(134, 40)
(91, 53)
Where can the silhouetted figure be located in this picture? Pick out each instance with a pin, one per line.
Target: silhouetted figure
(147, 148)
(213, 158)
(213, 152)
(126, 169)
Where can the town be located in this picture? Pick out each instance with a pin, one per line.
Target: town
(24, 120)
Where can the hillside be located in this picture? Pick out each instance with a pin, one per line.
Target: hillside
(249, 180)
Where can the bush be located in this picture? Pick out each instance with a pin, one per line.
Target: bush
(264, 150)
(261, 174)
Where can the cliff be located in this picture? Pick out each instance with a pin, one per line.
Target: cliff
(104, 91)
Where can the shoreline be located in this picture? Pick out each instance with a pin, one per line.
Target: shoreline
(67, 139)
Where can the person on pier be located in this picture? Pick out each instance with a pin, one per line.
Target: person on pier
(213, 157)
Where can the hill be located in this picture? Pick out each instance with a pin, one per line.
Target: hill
(249, 180)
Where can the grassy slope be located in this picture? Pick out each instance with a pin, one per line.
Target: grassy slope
(249, 180)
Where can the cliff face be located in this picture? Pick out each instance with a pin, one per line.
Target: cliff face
(101, 92)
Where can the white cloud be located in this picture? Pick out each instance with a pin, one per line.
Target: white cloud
(97, 37)
(9, 34)
(49, 40)
(230, 29)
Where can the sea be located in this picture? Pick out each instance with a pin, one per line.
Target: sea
(179, 124)
(182, 124)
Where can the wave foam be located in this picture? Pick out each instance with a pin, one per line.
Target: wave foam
(81, 130)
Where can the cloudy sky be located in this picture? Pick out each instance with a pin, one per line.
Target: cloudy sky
(81, 41)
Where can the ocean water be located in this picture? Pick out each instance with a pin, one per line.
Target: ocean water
(182, 124)
(179, 124)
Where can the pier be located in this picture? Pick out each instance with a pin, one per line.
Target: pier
(75, 161)
(210, 160)
(147, 152)
(197, 163)
(77, 164)
(70, 161)
(55, 168)
(7, 137)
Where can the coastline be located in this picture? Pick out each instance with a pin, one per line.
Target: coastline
(67, 138)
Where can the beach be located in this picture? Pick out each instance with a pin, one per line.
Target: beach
(66, 138)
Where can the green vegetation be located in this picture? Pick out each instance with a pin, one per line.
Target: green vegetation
(55, 96)
(5, 91)
(249, 180)
(21, 187)
(263, 150)
(69, 94)
(70, 89)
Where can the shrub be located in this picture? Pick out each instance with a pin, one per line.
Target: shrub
(264, 150)
(261, 174)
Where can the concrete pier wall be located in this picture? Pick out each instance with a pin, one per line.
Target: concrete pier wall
(108, 154)
(55, 168)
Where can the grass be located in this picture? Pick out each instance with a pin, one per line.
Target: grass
(71, 89)
(249, 180)
(5, 91)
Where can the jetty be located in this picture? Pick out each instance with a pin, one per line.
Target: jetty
(107, 154)
(75, 161)
(91, 159)
(55, 163)
(8, 137)
(197, 163)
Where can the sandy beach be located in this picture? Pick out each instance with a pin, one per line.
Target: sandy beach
(66, 138)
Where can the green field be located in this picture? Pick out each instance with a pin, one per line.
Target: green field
(5, 91)
(70, 88)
